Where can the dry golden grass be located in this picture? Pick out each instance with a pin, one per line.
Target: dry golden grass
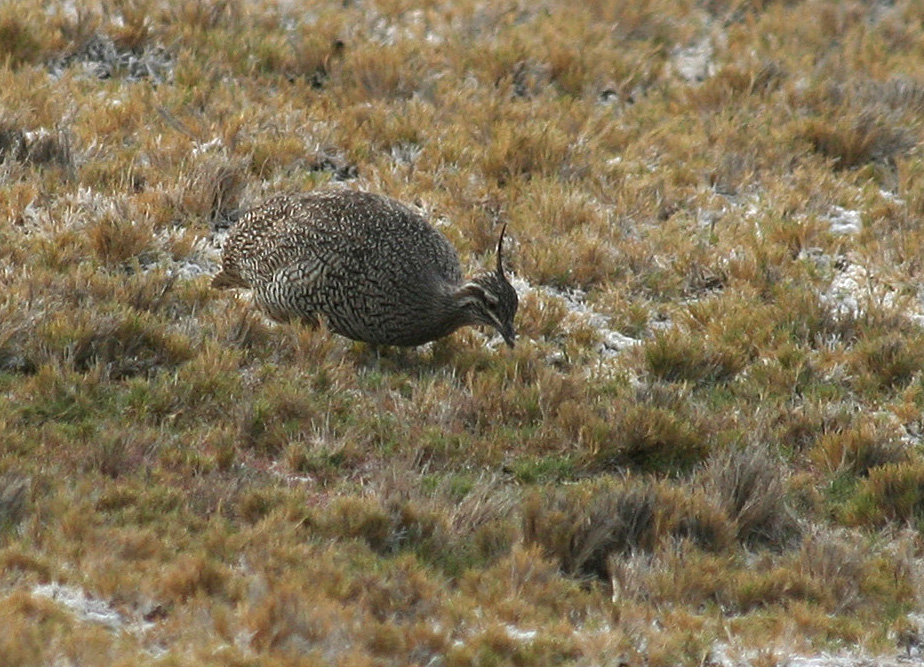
(735, 187)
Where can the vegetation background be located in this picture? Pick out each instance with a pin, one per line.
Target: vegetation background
(705, 449)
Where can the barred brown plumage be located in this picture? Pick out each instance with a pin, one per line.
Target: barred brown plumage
(374, 269)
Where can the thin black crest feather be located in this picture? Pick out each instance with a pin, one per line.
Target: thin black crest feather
(500, 252)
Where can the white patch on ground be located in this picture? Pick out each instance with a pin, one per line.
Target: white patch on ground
(68, 8)
(405, 153)
(844, 221)
(88, 609)
(81, 605)
(84, 206)
(34, 135)
(519, 634)
(579, 312)
(847, 289)
(413, 25)
(720, 656)
(695, 63)
(191, 268)
(277, 469)
(217, 241)
(892, 197)
(216, 145)
(204, 260)
(856, 286)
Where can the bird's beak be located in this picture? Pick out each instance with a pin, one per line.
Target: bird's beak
(509, 337)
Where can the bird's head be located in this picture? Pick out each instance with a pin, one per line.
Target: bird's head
(490, 299)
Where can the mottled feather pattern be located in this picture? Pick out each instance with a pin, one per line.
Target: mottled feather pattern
(376, 270)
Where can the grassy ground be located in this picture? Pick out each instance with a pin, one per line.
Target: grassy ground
(706, 447)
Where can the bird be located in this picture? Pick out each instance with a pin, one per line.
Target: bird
(375, 270)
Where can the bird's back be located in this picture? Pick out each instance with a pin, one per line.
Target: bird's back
(377, 270)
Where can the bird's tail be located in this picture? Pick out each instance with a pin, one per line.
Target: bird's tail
(225, 279)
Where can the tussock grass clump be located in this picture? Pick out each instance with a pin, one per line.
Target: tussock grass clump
(15, 492)
(855, 141)
(589, 527)
(450, 528)
(859, 448)
(695, 516)
(116, 240)
(116, 452)
(20, 43)
(520, 152)
(288, 622)
(893, 492)
(747, 484)
(582, 526)
(523, 580)
(735, 81)
(496, 645)
(871, 123)
(366, 519)
(34, 148)
(675, 357)
(888, 362)
(190, 575)
(121, 346)
(384, 73)
(837, 563)
(24, 641)
(898, 93)
(831, 578)
(555, 263)
(649, 438)
(212, 188)
(273, 420)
